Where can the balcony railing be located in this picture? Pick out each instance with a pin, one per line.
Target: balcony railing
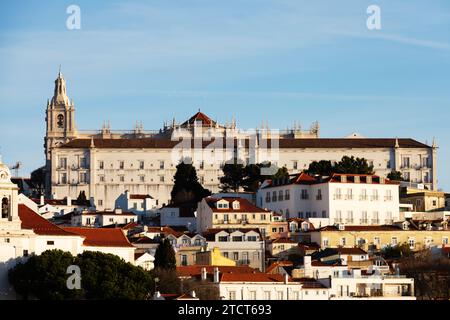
(363, 197)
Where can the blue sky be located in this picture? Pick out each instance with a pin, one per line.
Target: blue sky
(260, 60)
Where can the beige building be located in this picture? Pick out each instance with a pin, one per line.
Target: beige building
(377, 237)
(105, 163)
(424, 200)
(232, 213)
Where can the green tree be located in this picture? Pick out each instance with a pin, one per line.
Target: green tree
(103, 276)
(346, 165)
(168, 281)
(44, 276)
(322, 167)
(234, 175)
(187, 188)
(395, 176)
(165, 256)
(396, 252)
(353, 165)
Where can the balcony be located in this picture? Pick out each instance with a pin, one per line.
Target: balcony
(364, 221)
(337, 197)
(375, 221)
(319, 197)
(348, 197)
(363, 197)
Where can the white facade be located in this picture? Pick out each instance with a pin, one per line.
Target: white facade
(352, 284)
(339, 200)
(175, 216)
(142, 205)
(105, 163)
(244, 246)
(102, 218)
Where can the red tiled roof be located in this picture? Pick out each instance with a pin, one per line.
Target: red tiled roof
(140, 196)
(283, 240)
(277, 264)
(245, 206)
(326, 143)
(39, 225)
(252, 277)
(196, 270)
(143, 240)
(200, 116)
(96, 237)
(350, 251)
(165, 230)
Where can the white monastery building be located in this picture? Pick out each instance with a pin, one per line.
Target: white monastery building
(350, 199)
(105, 163)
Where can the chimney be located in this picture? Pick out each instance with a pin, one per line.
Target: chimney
(216, 275)
(41, 200)
(204, 274)
(69, 201)
(307, 266)
(286, 279)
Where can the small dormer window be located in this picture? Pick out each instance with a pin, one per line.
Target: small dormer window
(236, 205)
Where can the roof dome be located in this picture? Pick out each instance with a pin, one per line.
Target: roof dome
(5, 174)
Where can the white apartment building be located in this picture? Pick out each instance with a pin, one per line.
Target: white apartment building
(340, 199)
(355, 284)
(143, 205)
(232, 213)
(181, 216)
(244, 246)
(105, 163)
(263, 286)
(102, 218)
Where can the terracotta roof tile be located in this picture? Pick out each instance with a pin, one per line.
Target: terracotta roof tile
(245, 206)
(253, 277)
(97, 237)
(39, 225)
(196, 270)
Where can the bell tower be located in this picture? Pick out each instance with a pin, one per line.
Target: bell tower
(60, 117)
(60, 120)
(9, 215)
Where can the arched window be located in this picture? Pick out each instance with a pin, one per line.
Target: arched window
(60, 121)
(5, 208)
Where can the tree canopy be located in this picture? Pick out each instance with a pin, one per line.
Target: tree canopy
(165, 256)
(346, 165)
(103, 276)
(187, 188)
(248, 177)
(395, 176)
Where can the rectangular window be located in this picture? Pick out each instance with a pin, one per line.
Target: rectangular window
(83, 177)
(343, 241)
(287, 195)
(235, 256)
(295, 165)
(267, 196)
(100, 202)
(141, 165)
(237, 238)
(25, 253)
(161, 164)
(405, 162)
(388, 195)
(161, 178)
(184, 261)
(101, 165)
(251, 238)
(319, 194)
(63, 178)
(364, 219)
(274, 196)
(304, 194)
(280, 195)
(121, 165)
(252, 295)
(142, 178)
(122, 178)
(83, 163)
(376, 241)
(394, 241)
(232, 295)
(101, 178)
(223, 239)
(50, 243)
(445, 240)
(63, 163)
(266, 295)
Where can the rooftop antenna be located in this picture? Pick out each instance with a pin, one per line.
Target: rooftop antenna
(16, 168)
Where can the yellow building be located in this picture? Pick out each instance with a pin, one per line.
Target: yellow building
(424, 200)
(213, 258)
(377, 237)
